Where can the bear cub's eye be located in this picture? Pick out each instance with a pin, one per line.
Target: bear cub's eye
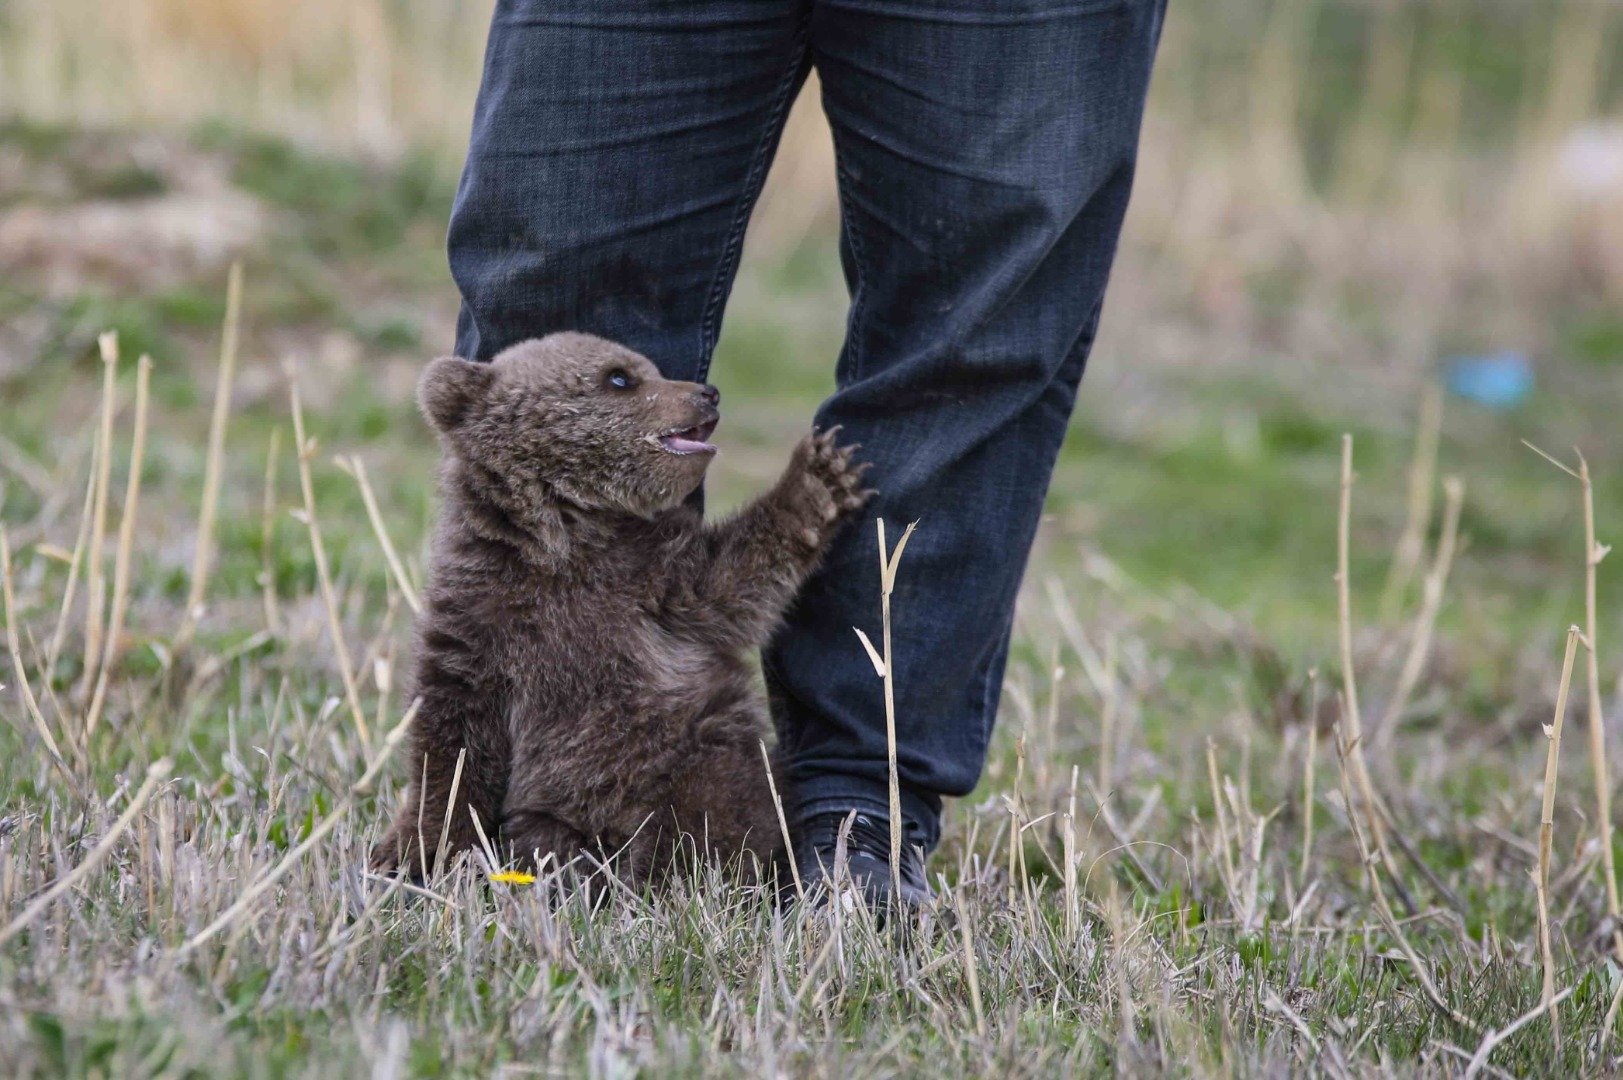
(620, 379)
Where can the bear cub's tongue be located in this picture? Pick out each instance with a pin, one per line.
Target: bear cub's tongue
(693, 440)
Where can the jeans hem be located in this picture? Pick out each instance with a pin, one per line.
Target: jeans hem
(921, 822)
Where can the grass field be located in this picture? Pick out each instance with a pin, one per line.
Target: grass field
(1173, 864)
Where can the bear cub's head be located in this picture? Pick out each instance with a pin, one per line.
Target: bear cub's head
(577, 417)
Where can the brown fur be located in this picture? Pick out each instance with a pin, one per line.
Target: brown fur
(584, 633)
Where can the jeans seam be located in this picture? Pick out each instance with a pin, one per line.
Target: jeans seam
(753, 182)
(859, 295)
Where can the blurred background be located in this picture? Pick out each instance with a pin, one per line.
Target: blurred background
(1396, 219)
(1344, 207)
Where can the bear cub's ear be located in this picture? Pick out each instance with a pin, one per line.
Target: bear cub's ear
(449, 390)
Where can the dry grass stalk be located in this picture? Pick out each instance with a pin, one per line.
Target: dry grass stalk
(1422, 473)
(258, 888)
(383, 679)
(1546, 830)
(1382, 907)
(1593, 554)
(14, 648)
(888, 563)
(1309, 761)
(1607, 1025)
(95, 587)
(1274, 1004)
(486, 849)
(1426, 622)
(1578, 39)
(25, 467)
(1012, 799)
(267, 535)
(1048, 751)
(1121, 833)
(75, 564)
(1367, 150)
(1107, 720)
(1068, 841)
(445, 822)
(1071, 627)
(1274, 101)
(305, 449)
(212, 468)
(1253, 864)
(1226, 866)
(971, 975)
(126, 548)
(1492, 1039)
(1354, 726)
(356, 468)
(102, 849)
(783, 824)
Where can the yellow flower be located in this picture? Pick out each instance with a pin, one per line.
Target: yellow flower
(513, 877)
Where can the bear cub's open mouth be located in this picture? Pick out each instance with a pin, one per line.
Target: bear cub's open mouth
(690, 440)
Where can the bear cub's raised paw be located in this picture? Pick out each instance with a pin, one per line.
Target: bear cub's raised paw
(581, 664)
(832, 482)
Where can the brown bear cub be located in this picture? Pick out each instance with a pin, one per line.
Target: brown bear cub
(583, 641)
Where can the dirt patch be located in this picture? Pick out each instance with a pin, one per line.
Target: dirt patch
(146, 212)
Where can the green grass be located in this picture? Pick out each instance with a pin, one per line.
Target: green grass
(1198, 545)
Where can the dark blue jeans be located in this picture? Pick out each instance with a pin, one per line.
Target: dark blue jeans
(985, 153)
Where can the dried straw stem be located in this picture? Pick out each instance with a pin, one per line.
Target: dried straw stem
(1225, 867)
(202, 559)
(14, 648)
(75, 564)
(306, 450)
(1492, 1039)
(888, 563)
(888, 568)
(971, 975)
(1354, 726)
(356, 468)
(1593, 554)
(102, 849)
(126, 548)
(1384, 908)
(94, 585)
(1309, 761)
(1426, 622)
(1546, 830)
(1422, 473)
(317, 834)
(783, 824)
(267, 534)
(1068, 840)
(445, 822)
(1107, 718)
(1013, 801)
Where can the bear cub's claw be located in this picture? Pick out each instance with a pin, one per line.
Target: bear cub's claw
(833, 479)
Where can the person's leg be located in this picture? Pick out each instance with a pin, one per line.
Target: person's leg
(985, 153)
(617, 148)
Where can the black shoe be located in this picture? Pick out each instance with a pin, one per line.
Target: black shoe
(866, 852)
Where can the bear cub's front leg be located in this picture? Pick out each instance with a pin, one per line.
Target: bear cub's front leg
(760, 558)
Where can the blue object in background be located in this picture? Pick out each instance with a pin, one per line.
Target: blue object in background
(1501, 381)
